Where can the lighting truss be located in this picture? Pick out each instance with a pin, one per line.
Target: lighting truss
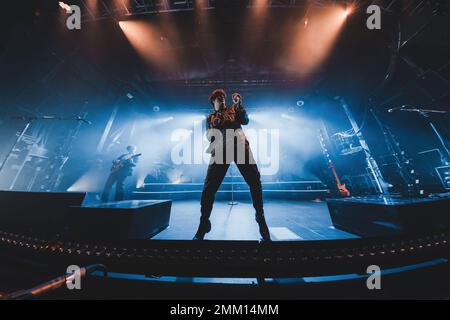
(129, 8)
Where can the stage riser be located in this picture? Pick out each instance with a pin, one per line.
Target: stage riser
(376, 219)
(49, 213)
(120, 220)
(37, 212)
(271, 190)
(227, 195)
(226, 186)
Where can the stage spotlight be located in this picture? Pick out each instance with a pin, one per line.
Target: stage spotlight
(65, 6)
(91, 181)
(140, 182)
(175, 175)
(348, 11)
(255, 24)
(145, 38)
(308, 48)
(305, 22)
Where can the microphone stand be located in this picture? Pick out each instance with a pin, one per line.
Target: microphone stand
(424, 113)
(232, 202)
(27, 125)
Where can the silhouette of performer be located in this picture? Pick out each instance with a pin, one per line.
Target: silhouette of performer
(228, 143)
(122, 168)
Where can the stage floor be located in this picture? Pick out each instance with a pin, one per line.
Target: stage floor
(287, 220)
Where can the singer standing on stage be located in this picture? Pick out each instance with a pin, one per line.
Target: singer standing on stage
(219, 124)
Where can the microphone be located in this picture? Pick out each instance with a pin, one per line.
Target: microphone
(397, 108)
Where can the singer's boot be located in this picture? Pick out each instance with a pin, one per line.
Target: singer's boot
(203, 228)
(263, 228)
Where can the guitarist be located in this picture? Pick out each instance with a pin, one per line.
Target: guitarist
(122, 168)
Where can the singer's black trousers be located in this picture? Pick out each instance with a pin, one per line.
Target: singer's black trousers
(215, 175)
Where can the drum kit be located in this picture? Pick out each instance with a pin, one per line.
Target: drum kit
(159, 172)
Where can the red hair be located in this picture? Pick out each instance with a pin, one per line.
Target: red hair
(216, 93)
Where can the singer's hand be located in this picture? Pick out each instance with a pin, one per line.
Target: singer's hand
(236, 98)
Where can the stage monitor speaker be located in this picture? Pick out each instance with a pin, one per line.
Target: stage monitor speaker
(381, 216)
(129, 219)
(36, 212)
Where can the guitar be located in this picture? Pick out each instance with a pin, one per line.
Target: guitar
(119, 164)
(341, 186)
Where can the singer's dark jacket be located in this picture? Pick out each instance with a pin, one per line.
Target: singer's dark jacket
(230, 117)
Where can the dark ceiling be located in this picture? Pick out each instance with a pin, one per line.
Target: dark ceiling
(39, 55)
